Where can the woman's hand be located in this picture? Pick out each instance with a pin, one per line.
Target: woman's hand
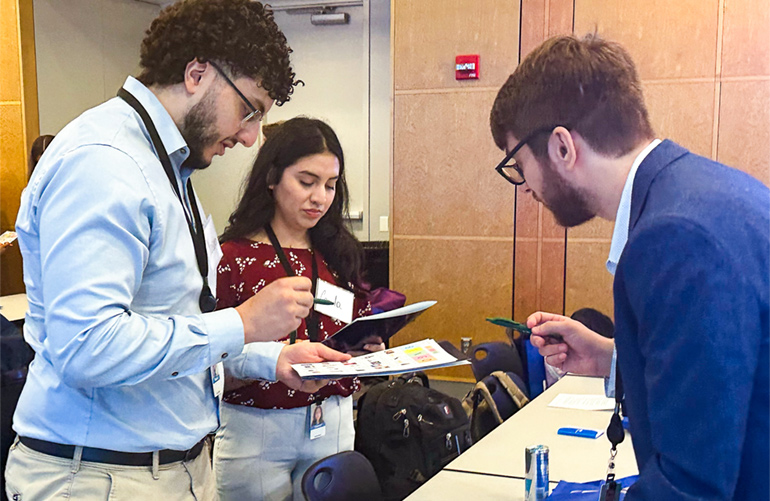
(367, 345)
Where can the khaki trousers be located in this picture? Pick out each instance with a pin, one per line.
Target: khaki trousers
(33, 476)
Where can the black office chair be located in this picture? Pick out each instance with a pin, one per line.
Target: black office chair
(345, 476)
(15, 356)
(497, 356)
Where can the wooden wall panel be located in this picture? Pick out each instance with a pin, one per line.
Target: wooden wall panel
(430, 33)
(541, 19)
(705, 70)
(746, 38)
(445, 167)
(10, 85)
(452, 213)
(589, 284)
(744, 127)
(692, 124)
(470, 279)
(666, 39)
(18, 125)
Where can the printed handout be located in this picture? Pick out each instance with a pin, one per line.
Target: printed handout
(421, 355)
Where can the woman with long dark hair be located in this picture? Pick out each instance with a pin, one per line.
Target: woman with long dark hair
(290, 220)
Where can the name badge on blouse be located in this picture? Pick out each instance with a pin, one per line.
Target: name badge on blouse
(343, 299)
(214, 252)
(316, 419)
(218, 379)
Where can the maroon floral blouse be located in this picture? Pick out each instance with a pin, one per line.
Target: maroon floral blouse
(245, 269)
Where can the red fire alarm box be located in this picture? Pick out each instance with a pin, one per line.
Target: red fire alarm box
(467, 67)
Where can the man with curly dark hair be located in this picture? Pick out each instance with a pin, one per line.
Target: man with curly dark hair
(120, 262)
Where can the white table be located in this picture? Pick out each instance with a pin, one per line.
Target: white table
(14, 307)
(447, 485)
(570, 458)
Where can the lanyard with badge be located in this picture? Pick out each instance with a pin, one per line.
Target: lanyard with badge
(206, 300)
(615, 434)
(316, 426)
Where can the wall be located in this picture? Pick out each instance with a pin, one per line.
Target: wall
(453, 217)
(58, 59)
(705, 69)
(346, 70)
(18, 124)
(85, 50)
(452, 214)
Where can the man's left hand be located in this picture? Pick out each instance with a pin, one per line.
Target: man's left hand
(303, 353)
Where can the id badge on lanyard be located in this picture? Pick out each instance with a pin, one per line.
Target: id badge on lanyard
(218, 379)
(315, 419)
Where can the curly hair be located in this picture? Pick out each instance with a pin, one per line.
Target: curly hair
(286, 144)
(241, 35)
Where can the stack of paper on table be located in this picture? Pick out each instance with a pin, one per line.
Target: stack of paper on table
(418, 356)
(583, 402)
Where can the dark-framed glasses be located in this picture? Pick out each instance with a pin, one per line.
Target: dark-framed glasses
(255, 115)
(508, 168)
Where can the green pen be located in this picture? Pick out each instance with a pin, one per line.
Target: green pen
(316, 300)
(526, 331)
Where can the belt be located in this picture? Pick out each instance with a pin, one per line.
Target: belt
(95, 455)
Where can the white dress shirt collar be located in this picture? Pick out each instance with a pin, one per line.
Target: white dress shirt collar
(622, 219)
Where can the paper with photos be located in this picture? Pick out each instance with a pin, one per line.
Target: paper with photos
(421, 355)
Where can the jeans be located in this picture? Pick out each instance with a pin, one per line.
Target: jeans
(261, 454)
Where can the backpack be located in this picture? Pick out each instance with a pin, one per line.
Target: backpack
(408, 432)
(493, 400)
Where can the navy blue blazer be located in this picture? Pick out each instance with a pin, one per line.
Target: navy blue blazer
(691, 311)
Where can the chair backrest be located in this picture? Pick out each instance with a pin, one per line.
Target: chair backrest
(536, 381)
(487, 358)
(493, 400)
(345, 476)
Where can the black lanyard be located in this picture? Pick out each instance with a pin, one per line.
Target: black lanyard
(312, 320)
(206, 301)
(615, 434)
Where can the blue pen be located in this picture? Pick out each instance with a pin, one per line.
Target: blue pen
(580, 432)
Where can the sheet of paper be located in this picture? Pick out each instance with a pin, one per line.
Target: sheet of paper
(7, 237)
(583, 402)
(404, 310)
(421, 355)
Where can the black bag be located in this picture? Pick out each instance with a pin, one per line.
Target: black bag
(409, 432)
(493, 400)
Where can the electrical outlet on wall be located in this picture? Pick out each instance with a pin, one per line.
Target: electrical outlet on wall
(384, 223)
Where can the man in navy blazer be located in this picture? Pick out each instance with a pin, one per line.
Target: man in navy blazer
(689, 252)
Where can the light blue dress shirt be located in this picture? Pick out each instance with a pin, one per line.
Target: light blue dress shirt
(619, 239)
(122, 349)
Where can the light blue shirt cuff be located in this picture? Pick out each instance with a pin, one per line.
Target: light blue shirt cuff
(609, 382)
(225, 329)
(257, 361)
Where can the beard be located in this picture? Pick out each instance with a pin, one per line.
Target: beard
(570, 206)
(198, 131)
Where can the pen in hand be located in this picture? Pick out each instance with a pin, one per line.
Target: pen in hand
(316, 300)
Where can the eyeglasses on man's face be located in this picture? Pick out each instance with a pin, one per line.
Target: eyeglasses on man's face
(255, 116)
(508, 168)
